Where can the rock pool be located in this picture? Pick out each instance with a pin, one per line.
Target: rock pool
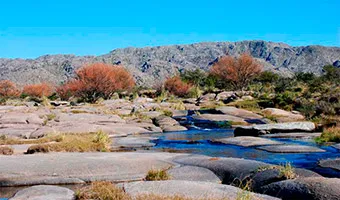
(198, 142)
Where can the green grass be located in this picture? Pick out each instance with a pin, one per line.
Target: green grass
(157, 175)
(329, 135)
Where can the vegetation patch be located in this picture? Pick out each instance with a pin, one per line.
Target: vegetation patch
(97, 142)
(329, 135)
(4, 140)
(157, 175)
(285, 171)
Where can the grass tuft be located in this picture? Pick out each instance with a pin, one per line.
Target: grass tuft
(157, 175)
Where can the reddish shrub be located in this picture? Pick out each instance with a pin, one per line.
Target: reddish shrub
(96, 81)
(8, 89)
(239, 71)
(38, 90)
(177, 87)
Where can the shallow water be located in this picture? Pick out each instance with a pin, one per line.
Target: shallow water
(197, 142)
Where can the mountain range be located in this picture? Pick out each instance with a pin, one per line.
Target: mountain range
(151, 65)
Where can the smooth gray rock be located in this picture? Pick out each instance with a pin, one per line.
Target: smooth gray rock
(262, 129)
(313, 188)
(282, 115)
(330, 163)
(168, 124)
(246, 141)
(219, 117)
(44, 192)
(291, 149)
(134, 142)
(63, 168)
(227, 169)
(189, 189)
(302, 135)
(237, 112)
(192, 173)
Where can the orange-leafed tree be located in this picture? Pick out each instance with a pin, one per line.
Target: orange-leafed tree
(96, 81)
(238, 71)
(38, 90)
(8, 89)
(177, 87)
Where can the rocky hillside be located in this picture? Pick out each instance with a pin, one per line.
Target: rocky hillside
(151, 65)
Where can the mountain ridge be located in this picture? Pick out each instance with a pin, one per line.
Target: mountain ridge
(151, 65)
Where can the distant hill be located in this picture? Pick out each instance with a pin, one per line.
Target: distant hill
(152, 65)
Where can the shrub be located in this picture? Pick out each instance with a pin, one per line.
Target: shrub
(8, 89)
(239, 71)
(196, 77)
(177, 87)
(37, 90)
(96, 81)
(157, 175)
(267, 77)
(329, 135)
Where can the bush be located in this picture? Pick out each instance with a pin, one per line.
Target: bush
(177, 87)
(239, 71)
(8, 89)
(267, 77)
(96, 81)
(37, 90)
(196, 77)
(329, 135)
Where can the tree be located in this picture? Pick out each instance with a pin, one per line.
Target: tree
(8, 89)
(239, 71)
(196, 77)
(98, 80)
(177, 87)
(38, 90)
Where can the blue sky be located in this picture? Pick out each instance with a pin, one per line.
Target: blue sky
(31, 28)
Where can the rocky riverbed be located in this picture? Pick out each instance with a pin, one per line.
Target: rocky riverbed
(212, 152)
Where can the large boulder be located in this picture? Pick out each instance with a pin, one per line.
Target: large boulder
(227, 169)
(282, 115)
(237, 112)
(263, 129)
(43, 192)
(313, 188)
(330, 163)
(188, 189)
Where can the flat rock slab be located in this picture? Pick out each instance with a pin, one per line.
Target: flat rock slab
(44, 192)
(246, 141)
(291, 149)
(219, 118)
(192, 173)
(237, 112)
(134, 142)
(330, 163)
(301, 135)
(263, 129)
(66, 168)
(189, 189)
(337, 146)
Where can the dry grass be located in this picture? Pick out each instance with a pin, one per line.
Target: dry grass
(157, 175)
(4, 150)
(108, 191)
(4, 140)
(285, 170)
(329, 135)
(90, 142)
